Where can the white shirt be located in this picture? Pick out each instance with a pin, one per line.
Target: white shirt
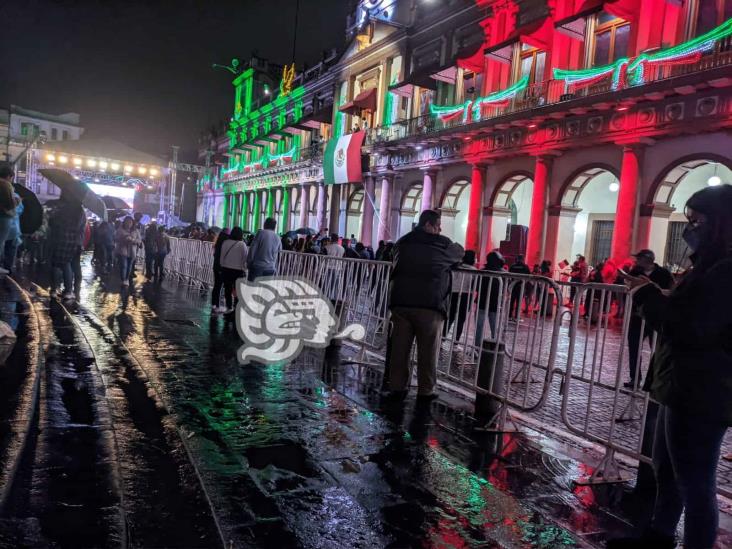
(234, 255)
(335, 250)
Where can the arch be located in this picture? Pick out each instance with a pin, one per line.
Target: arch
(570, 191)
(667, 182)
(503, 192)
(453, 192)
(412, 197)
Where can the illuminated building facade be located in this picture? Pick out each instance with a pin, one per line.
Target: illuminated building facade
(550, 128)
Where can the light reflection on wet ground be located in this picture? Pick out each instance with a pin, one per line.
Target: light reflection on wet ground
(290, 461)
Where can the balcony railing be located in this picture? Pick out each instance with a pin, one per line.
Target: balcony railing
(311, 154)
(538, 95)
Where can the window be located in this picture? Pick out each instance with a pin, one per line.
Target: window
(676, 249)
(54, 134)
(611, 39)
(29, 130)
(64, 135)
(602, 236)
(532, 63)
(710, 14)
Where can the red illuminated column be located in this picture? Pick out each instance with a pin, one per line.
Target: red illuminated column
(428, 189)
(304, 205)
(539, 202)
(475, 206)
(384, 210)
(367, 221)
(627, 203)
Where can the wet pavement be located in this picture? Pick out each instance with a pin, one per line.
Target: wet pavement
(184, 443)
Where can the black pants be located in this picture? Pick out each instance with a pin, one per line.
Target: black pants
(76, 270)
(216, 293)
(149, 262)
(229, 277)
(634, 343)
(159, 264)
(459, 309)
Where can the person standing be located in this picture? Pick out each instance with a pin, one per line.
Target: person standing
(162, 246)
(65, 225)
(127, 239)
(233, 264)
(489, 297)
(14, 238)
(645, 265)
(266, 246)
(460, 296)
(419, 293)
(7, 203)
(518, 267)
(151, 235)
(691, 376)
(218, 280)
(333, 249)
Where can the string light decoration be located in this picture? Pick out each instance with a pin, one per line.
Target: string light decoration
(471, 110)
(633, 72)
(266, 159)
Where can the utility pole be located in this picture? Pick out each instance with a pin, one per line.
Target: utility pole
(173, 178)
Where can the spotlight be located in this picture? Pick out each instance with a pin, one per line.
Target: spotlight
(714, 180)
(614, 187)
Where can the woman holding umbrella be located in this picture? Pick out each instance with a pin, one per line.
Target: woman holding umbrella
(127, 238)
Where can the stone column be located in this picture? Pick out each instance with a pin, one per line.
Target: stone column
(367, 214)
(285, 210)
(335, 208)
(321, 211)
(538, 218)
(256, 212)
(428, 189)
(304, 205)
(475, 207)
(384, 231)
(626, 212)
(245, 211)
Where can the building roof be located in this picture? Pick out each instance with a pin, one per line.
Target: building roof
(107, 149)
(69, 118)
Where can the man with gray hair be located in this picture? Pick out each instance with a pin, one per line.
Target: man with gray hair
(419, 295)
(266, 246)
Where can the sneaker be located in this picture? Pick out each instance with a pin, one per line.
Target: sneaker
(125, 283)
(69, 296)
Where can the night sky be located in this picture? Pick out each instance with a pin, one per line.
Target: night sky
(140, 71)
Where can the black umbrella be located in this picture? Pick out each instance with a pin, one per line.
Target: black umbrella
(32, 217)
(74, 188)
(114, 203)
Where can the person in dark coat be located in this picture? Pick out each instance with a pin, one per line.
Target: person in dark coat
(691, 376)
(489, 296)
(518, 267)
(419, 294)
(218, 280)
(65, 225)
(645, 265)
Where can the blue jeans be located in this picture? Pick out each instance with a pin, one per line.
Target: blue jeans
(5, 226)
(67, 275)
(125, 267)
(685, 455)
(255, 273)
(481, 324)
(10, 251)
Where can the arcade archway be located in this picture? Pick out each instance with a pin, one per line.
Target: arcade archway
(454, 209)
(511, 208)
(409, 209)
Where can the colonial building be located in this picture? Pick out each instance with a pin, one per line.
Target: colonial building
(551, 128)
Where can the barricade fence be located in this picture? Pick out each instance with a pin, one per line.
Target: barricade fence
(560, 353)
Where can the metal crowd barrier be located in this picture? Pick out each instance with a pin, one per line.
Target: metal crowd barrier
(557, 352)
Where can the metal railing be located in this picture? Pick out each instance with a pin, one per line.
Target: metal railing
(558, 353)
(540, 94)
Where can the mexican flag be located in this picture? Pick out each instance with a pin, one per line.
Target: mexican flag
(342, 162)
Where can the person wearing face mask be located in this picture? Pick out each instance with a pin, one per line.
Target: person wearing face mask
(691, 376)
(645, 265)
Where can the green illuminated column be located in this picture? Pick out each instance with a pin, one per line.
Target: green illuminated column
(285, 210)
(227, 205)
(245, 211)
(270, 202)
(255, 212)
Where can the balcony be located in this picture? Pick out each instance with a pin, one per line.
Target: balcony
(540, 97)
(306, 156)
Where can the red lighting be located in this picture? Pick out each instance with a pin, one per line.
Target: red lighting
(532, 126)
(621, 109)
(466, 138)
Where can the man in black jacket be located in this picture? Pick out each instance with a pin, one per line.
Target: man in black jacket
(419, 294)
(645, 265)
